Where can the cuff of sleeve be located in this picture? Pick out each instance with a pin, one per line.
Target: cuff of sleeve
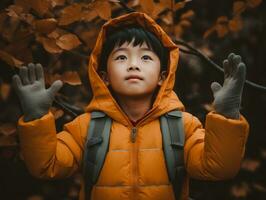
(215, 120)
(37, 128)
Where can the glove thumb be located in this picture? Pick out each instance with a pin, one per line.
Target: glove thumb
(55, 87)
(215, 87)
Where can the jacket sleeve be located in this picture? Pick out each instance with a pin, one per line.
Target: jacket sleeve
(48, 154)
(214, 153)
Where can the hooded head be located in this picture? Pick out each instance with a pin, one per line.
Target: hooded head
(156, 40)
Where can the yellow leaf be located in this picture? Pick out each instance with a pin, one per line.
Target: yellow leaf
(46, 25)
(239, 7)
(68, 41)
(9, 59)
(253, 3)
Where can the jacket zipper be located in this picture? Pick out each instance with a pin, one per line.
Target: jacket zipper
(134, 154)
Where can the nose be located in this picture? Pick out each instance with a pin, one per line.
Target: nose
(133, 67)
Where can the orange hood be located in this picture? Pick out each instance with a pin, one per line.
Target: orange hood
(166, 99)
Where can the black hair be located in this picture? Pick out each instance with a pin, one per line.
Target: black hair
(139, 35)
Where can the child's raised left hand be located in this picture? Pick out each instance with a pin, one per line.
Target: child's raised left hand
(227, 98)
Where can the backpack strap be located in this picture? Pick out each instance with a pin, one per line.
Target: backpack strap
(173, 144)
(95, 149)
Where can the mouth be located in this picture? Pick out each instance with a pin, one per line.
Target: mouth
(134, 77)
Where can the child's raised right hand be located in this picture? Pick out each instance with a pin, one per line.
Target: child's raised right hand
(30, 87)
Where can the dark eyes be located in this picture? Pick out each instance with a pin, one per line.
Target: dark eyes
(122, 57)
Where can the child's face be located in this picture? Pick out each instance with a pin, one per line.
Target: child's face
(133, 71)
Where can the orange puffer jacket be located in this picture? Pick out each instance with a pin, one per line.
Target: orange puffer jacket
(135, 171)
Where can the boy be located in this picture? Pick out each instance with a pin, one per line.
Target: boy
(132, 72)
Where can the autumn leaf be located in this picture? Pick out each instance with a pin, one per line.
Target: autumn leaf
(89, 15)
(68, 41)
(89, 37)
(9, 59)
(7, 129)
(4, 91)
(222, 30)
(71, 77)
(49, 44)
(181, 4)
(103, 8)
(14, 11)
(55, 3)
(250, 165)
(168, 18)
(208, 32)
(235, 24)
(70, 14)
(9, 140)
(147, 6)
(45, 25)
(253, 3)
(185, 23)
(241, 190)
(187, 15)
(222, 19)
(239, 7)
(40, 6)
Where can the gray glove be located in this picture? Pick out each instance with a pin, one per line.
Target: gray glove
(30, 87)
(227, 98)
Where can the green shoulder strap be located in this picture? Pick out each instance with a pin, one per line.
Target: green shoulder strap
(97, 143)
(173, 145)
(96, 146)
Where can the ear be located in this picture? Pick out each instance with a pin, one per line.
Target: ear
(162, 77)
(104, 77)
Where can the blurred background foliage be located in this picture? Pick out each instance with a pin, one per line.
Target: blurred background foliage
(60, 34)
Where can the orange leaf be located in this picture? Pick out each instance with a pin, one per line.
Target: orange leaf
(57, 3)
(49, 44)
(68, 41)
(147, 6)
(222, 20)
(9, 140)
(222, 30)
(185, 23)
(89, 37)
(188, 15)
(45, 25)
(103, 8)
(4, 91)
(240, 191)
(158, 8)
(89, 15)
(235, 24)
(239, 7)
(253, 3)
(178, 30)
(168, 18)
(70, 14)
(250, 165)
(7, 129)
(181, 4)
(9, 59)
(71, 77)
(209, 32)
(14, 11)
(40, 6)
